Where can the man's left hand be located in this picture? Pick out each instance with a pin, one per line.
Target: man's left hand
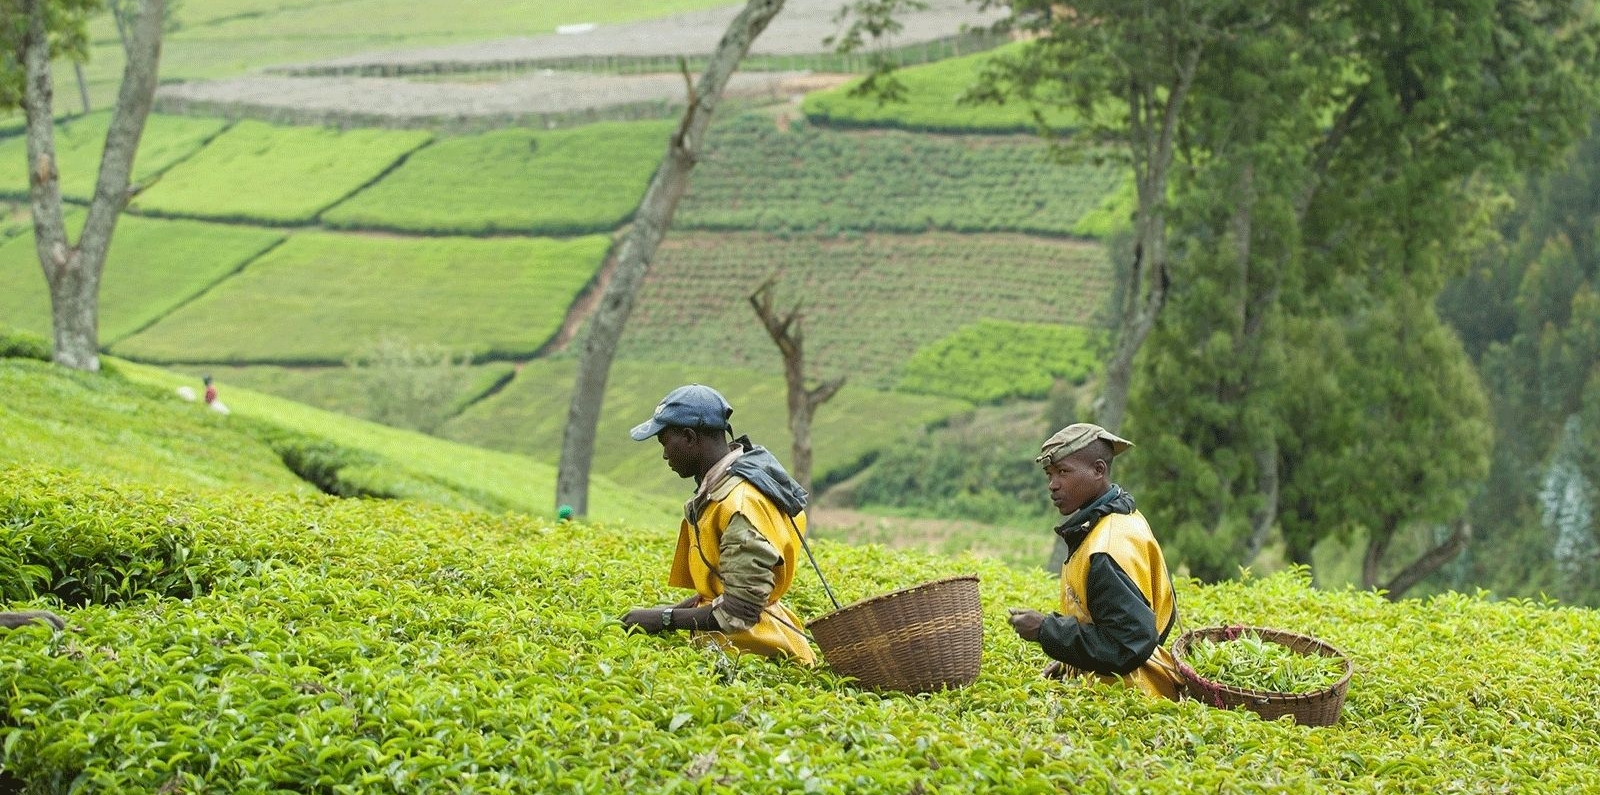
(645, 619)
(1026, 623)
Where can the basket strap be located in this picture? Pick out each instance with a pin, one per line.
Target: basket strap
(807, 547)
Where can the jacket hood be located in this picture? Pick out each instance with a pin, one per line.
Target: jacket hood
(762, 470)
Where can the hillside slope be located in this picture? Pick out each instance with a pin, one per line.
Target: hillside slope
(133, 427)
(258, 642)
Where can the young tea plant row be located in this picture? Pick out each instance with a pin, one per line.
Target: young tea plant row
(243, 642)
(869, 302)
(809, 179)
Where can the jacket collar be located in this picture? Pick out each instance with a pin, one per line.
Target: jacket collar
(1074, 528)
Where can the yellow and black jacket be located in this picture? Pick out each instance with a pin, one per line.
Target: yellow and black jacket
(1117, 602)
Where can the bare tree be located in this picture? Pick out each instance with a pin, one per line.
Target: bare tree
(633, 258)
(803, 402)
(73, 271)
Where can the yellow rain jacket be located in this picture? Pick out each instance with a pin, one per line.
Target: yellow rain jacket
(779, 632)
(1117, 606)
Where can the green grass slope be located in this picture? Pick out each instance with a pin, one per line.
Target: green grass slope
(321, 297)
(562, 182)
(153, 266)
(133, 427)
(279, 643)
(529, 416)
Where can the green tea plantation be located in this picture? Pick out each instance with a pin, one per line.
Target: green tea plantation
(237, 641)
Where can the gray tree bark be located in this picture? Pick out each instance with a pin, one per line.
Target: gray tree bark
(1153, 141)
(632, 260)
(803, 402)
(73, 271)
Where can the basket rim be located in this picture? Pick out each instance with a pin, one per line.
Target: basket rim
(881, 597)
(1265, 633)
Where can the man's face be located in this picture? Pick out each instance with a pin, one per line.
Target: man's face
(677, 450)
(1074, 481)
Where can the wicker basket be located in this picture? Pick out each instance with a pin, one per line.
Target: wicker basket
(1318, 708)
(914, 640)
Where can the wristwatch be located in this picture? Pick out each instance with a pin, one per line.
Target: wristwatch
(666, 618)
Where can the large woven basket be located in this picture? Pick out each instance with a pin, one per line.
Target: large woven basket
(1318, 708)
(915, 640)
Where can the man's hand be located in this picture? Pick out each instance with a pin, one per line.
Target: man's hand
(645, 619)
(14, 620)
(1026, 623)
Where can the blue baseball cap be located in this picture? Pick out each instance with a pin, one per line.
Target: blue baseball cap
(688, 406)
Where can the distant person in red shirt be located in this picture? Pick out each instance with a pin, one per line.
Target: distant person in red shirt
(211, 396)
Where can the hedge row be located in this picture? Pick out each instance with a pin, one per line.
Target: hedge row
(314, 645)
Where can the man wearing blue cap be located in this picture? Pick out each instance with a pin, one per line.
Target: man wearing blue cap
(739, 542)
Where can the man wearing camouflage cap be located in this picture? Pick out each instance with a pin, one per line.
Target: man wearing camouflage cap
(1117, 603)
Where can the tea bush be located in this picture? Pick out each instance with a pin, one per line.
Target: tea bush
(361, 646)
(166, 140)
(994, 360)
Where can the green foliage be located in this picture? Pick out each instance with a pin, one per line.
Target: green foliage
(270, 174)
(887, 296)
(994, 360)
(319, 296)
(153, 266)
(808, 179)
(66, 26)
(410, 385)
(1249, 662)
(563, 182)
(15, 344)
(166, 141)
(400, 647)
(529, 416)
(932, 102)
(976, 467)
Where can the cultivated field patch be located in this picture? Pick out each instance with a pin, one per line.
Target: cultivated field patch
(153, 266)
(870, 301)
(561, 182)
(271, 174)
(994, 360)
(322, 296)
(80, 141)
(810, 179)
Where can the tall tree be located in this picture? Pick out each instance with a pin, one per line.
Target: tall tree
(37, 31)
(632, 261)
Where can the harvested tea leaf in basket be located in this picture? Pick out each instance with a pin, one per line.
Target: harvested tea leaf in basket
(1250, 663)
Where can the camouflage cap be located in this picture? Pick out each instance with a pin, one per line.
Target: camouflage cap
(1075, 437)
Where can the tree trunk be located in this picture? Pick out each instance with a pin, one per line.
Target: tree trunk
(650, 225)
(803, 402)
(1429, 562)
(1153, 145)
(73, 272)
